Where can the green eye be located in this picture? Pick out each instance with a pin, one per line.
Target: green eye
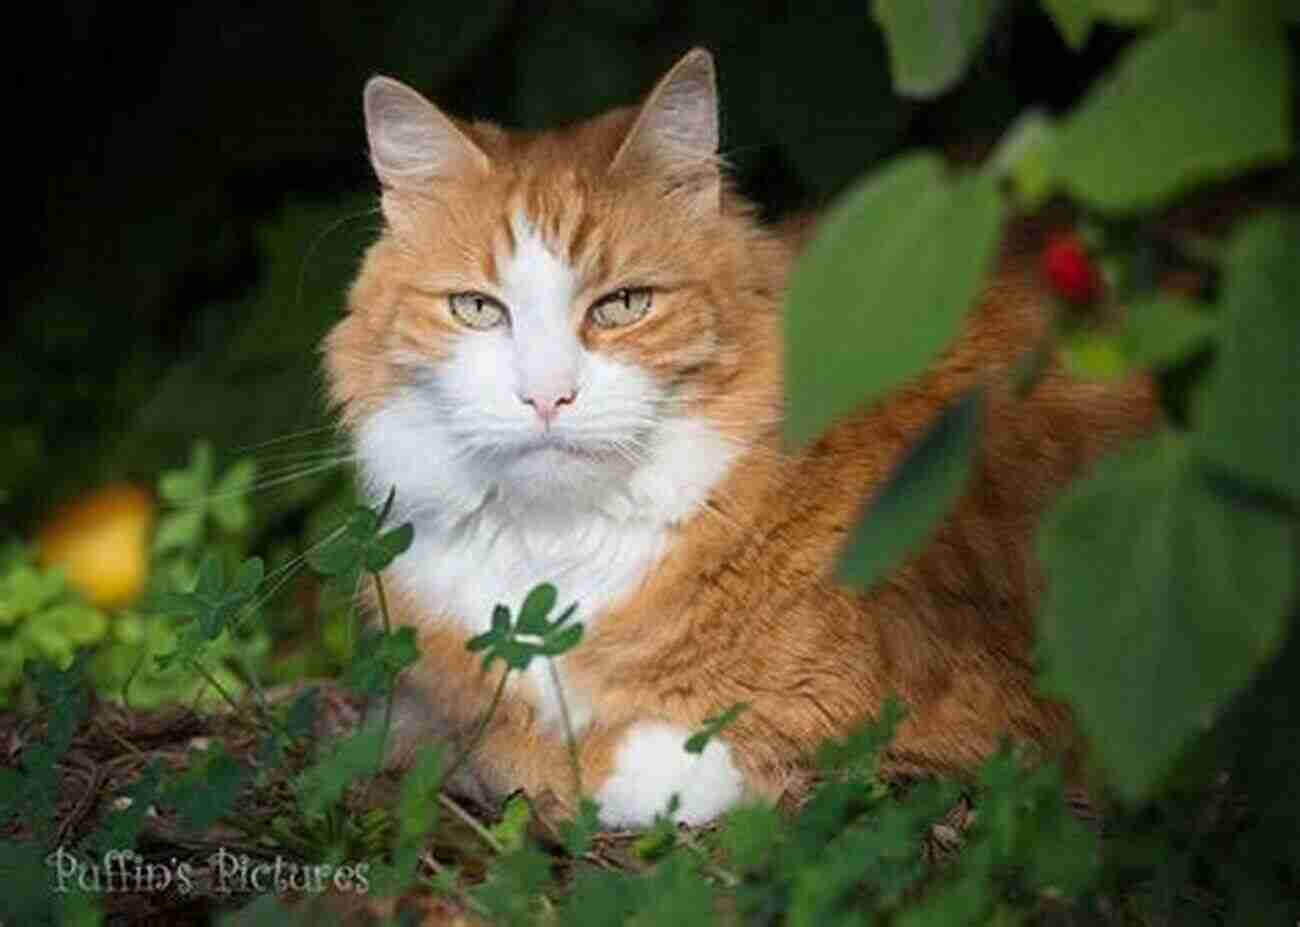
(477, 310)
(622, 307)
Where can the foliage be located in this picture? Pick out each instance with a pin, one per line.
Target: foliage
(1169, 619)
(931, 41)
(922, 487)
(905, 238)
(40, 617)
(516, 643)
(1165, 565)
(1171, 120)
(1159, 575)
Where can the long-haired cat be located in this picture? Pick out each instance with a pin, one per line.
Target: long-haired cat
(564, 352)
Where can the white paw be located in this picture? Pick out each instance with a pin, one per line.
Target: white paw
(650, 766)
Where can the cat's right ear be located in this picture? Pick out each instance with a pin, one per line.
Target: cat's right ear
(411, 141)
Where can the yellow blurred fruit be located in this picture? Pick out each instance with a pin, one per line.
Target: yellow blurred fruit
(101, 542)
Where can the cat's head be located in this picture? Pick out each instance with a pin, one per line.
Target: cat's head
(557, 318)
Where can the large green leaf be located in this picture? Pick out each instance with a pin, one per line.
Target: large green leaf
(931, 41)
(1075, 18)
(1165, 330)
(918, 493)
(1164, 597)
(882, 289)
(1252, 414)
(1198, 101)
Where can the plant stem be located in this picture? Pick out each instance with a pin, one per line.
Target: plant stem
(569, 739)
(212, 681)
(267, 715)
(482, 727)
(383, 603)
(259, 696)
(391, 695)
(470, 821)
(724, 875)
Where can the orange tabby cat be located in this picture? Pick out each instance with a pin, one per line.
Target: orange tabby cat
(564, 352)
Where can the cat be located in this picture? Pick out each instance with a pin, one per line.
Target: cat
(564, 354)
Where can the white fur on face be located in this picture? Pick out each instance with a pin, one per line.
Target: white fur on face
(480, 389)
(501, 503)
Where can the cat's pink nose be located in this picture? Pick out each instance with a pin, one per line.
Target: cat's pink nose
(547, 405)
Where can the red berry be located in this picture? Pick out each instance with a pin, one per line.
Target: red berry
(1069, 269)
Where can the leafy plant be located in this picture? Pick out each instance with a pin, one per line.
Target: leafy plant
(1171, 570)
(41, 618)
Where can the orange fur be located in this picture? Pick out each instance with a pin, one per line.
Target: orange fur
(742, 608)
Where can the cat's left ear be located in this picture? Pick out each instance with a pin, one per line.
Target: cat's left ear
(411, 141)
(676, 132)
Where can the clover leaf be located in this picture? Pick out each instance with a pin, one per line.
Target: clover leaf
(359, 546)
(533, 635)
(212, 604)
(380, 658)
(195, 494)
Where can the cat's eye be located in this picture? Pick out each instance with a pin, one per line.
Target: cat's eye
(477, 310)
(622, 307)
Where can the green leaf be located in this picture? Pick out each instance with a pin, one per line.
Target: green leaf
(537, 605)
(62, 692)
(882, 289)
(512, 830)
(1252, 408)
(339, 765)
(1024, 156)
(505, 640)
(920, 491)
(229, 499)
(510, 894)
(207, 792)
(1164, 331)
(562, 641)
(931, 41)
(1075, 18)
(417, 810)
(713, 727)
(211, 579)
(190, 484)
(1092, 354)
(388, 546)
(357, 545)
(578, 832)
(178, 531)
(247, 578)
(1163, 598)
(750, 834)
(859, 754)
(212, 606)
(417, 817)
(1197, 102)
(380, 659)
(301, 717)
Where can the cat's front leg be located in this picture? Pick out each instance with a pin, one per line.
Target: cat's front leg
(649, 765)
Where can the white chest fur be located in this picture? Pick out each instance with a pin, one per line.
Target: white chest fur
(477, 546)
(461, 575)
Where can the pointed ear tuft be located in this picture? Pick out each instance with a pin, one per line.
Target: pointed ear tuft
(411, 141)
(677, 129)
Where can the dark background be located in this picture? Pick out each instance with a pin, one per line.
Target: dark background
(191, 192)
